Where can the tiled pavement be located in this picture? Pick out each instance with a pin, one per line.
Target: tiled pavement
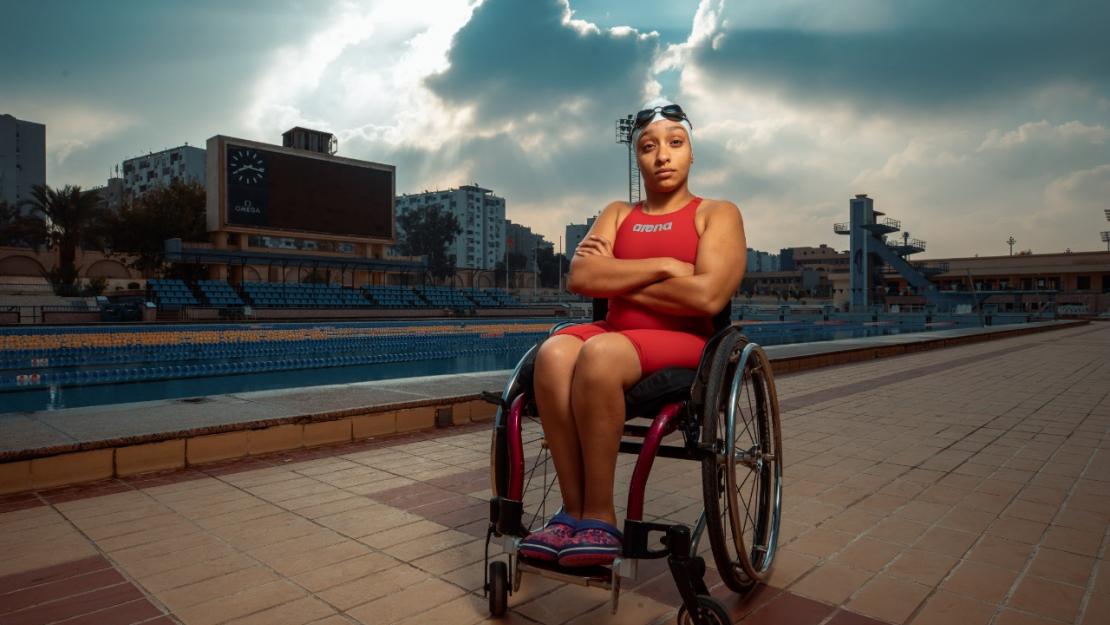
(966, 485)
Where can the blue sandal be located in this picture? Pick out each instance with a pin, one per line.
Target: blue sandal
(546, 544)
(595, 543)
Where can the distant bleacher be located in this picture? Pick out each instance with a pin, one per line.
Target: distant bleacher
(490, 298)
(171, 294)
(219, 293)
(303, 295)
(444, 297)
(503, 297)
(394, 297)
(481, 297)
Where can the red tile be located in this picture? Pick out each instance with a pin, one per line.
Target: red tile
(60, 589)
(164, 478)
(450, 503)
(235, 465)
(476, 529)
(458, 517)
(137, 611)
(78, 605)
(661, 588)
(20, 501)
(413, 496)
(462, 482)
(44, 575)
(742, 606)
(844, 617)
(787, 607)
(84, 491)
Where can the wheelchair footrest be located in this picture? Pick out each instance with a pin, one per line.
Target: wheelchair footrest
(592, 576)
(505, 516)
(637, 539)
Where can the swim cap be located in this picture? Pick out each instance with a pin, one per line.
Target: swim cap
(656, 103)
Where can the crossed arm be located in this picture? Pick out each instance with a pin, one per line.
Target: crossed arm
(665, 284)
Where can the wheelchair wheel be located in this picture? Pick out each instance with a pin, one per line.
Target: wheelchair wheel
(498, 590)
(742, 481)
(534, 474)
(710, 612)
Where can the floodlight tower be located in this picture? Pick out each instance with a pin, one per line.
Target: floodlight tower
(624, 135)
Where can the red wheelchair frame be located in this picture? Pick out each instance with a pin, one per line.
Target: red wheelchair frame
(709, 414)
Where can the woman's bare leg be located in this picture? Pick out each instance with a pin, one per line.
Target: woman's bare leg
(607, 366)
(552, 383)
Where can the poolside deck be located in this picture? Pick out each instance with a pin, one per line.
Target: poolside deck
(964, 485)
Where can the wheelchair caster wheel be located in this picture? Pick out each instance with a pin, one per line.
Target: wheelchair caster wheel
(710, 612)
(498, 590)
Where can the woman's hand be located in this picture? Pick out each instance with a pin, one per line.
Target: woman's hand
(595, 245)
(679, 269)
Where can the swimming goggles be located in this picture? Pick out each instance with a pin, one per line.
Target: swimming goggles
(672, 112)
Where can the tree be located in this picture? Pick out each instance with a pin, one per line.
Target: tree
(71, 218)
(548, 264)
(143, 225)
(517, 262)
(429, 232)
(19, 230)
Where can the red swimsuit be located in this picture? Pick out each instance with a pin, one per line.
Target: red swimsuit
(662, 340)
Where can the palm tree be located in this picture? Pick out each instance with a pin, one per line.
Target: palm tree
(70, 218)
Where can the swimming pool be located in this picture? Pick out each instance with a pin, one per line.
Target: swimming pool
(53, 368)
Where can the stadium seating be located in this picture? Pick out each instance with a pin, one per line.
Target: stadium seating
(91, 355)
(394, 297)
(490, 298)
(303, 295)
(444, 297)
(219, 293)
(503, 297)
(171, 294)
(482, 298)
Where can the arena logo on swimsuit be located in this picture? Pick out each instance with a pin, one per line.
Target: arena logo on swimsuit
(651, 227)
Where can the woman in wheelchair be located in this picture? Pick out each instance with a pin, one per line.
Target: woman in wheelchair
(667, 266)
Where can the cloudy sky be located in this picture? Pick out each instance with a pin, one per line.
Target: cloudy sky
(968, 121)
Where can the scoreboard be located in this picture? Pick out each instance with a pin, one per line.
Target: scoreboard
(280, 191)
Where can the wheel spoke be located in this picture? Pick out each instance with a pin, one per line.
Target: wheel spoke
(747, 422)
(748, 506)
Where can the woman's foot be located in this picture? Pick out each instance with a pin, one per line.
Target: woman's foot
(546, 544)
(595, 543)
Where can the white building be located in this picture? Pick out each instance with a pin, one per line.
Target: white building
(144, 173)
(481, 215)
(22, 158)
(759, 261)
(522, 240)
(575, 233)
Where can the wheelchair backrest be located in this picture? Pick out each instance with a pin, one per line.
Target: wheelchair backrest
(721, 320)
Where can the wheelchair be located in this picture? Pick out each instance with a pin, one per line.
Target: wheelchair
(726, 414)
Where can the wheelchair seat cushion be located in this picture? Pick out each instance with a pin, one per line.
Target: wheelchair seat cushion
(658, 389)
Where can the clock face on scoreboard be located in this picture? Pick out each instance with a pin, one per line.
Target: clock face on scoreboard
(246, 166)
